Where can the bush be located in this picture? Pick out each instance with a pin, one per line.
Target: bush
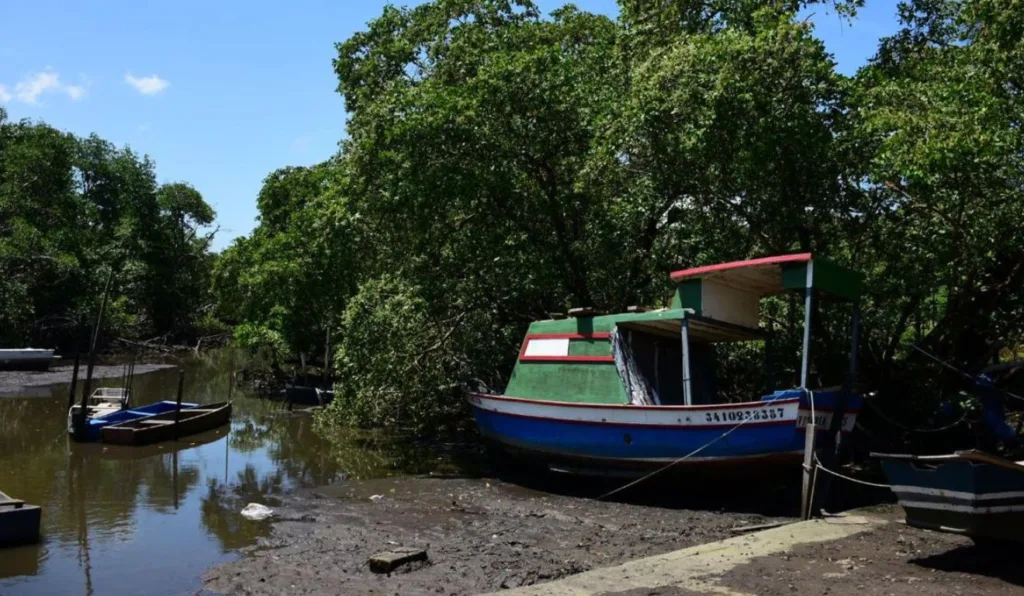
(397, 363)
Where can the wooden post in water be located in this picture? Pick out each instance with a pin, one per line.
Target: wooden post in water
(84, 414)
(231, 376)
(177, 406)
(74, 380)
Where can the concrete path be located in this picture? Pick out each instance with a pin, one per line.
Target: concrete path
(699, 568)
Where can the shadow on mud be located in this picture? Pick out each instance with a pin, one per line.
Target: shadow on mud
(998, 560)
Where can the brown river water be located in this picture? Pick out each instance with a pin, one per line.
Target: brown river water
(149, 520)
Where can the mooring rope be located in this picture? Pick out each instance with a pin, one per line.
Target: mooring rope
(854, 480)
(897, 424)
(683, 458)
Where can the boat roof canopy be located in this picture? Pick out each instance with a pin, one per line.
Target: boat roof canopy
(768, 276)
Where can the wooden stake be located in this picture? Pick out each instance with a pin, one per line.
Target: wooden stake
(92, 354)
(805, 495)
(177, 406)
(74, 380)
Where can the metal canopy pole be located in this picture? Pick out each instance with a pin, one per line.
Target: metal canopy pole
(808, 293)
(687, 391)
(806, 504)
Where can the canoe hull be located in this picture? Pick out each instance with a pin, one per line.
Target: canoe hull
(93, 430)
(966, 493)
(162, 427)
(26, 359)
(625, 440)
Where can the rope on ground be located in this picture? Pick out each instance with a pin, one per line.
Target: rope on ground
(854, 480)
(687, 456)
(897, 424)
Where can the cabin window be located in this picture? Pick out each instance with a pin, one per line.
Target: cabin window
(547, 347)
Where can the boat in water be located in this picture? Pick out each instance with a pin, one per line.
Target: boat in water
(94, 426)
(103, 402)
(25, 359)
(624, 393)
(169, 425)
(19, 522)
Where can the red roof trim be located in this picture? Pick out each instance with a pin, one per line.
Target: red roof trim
(698, 271)
(587, 359)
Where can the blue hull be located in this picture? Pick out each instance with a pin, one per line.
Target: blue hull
(969, 493)
(635, 443)
(94, 429)
(594, 438)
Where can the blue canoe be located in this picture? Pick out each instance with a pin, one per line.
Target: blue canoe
(967, 492)
(94, 429)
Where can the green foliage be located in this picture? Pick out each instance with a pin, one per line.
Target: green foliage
(70, 209)
(501, 164)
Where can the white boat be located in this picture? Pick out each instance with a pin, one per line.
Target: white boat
(103, 401)
(25, 359)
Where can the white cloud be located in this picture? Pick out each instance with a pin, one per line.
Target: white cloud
(150, 85)
(5, 96)
(29, 89)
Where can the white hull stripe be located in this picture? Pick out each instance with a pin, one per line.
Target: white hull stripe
(756, 414)
(961, 508)
(953, 494)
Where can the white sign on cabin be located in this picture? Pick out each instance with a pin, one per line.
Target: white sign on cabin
(547, 347)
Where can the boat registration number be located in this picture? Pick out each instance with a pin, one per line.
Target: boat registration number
(739, 415)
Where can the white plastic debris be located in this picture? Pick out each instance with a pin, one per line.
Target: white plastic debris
(376, 497)
(257, 512)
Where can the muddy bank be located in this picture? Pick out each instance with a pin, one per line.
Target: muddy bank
(893, 559)
(480, 535)
(15, 383)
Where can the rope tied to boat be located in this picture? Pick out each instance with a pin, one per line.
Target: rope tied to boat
(683, 458)
(848, 478)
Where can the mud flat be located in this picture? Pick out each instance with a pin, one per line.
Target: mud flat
(23, 383)
(481, 535)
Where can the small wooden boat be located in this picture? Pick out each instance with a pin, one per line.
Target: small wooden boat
(967, 492)
(93, 430)
(19, 522)
(25, 359)
(163, 427)
(621, 394)
(307, 396)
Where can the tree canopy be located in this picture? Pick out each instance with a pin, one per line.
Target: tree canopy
(72, 209)
(500, 164)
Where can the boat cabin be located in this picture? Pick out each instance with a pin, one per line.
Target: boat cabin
(666, 357)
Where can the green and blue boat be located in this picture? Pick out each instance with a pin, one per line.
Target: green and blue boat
(624, 393)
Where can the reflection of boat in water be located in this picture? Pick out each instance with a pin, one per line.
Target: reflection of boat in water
(129, 452)
(168, 426)
(19, 522)
(25, 359)
(96, 423)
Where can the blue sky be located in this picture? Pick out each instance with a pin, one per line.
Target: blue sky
(221, 93)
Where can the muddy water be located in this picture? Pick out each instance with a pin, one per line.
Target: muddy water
(148, 520)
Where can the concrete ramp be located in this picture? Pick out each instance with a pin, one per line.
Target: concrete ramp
(698, 569)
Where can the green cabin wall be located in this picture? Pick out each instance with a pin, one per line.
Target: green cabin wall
(577, 382)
